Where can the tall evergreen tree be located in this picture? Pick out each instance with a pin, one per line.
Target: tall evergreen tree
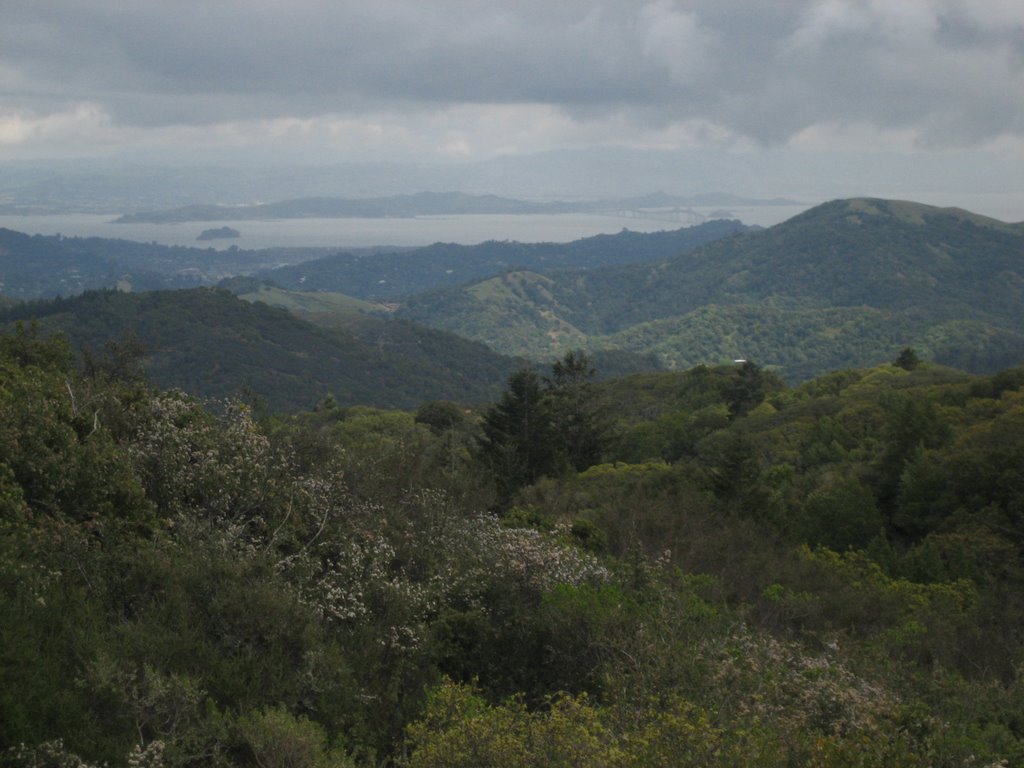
(748, 390)
(544, 426)
(582, 424)
(519, 442)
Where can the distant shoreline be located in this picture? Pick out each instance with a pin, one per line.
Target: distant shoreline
(673, 209)
(341, 234)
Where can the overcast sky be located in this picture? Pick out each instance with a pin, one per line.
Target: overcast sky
(931, 84)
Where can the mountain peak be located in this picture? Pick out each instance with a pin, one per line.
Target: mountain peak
(904, 211)
(845, 283)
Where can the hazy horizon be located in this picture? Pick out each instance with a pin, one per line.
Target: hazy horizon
(146, 105)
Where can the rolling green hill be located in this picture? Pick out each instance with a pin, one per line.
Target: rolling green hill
(370, 321)
(41, 266)
(846, 283)
(324, 305)
(210, 343)
(389, 276)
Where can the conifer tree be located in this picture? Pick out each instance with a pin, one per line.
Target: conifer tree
(519, 441)
(582, 425)
(544, 426)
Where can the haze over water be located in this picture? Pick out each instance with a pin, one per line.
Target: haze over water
(467, 229)
(356, 232)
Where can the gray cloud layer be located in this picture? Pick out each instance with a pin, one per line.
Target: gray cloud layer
(529, 74)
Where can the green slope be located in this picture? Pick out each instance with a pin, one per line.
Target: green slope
(804, 342)
(211, 343)
(40, 266)
(313, 305)
(842, 284)
(389, 276)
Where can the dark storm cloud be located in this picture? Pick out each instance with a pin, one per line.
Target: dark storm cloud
(952, 72)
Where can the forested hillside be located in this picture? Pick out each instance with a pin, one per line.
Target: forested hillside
(368, 322)
(395, 275)
(847, 283)
(704, 568)
(39, 266)
(212, 344)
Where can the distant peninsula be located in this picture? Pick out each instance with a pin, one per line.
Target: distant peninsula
(218, 233)
(672, 207)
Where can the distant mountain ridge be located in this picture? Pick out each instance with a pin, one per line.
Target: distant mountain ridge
(842, 284)
(394, 275)
(428, 204)
(38, 266)
(846, 284)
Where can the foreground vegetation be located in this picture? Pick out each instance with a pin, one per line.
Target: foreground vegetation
(702, 568)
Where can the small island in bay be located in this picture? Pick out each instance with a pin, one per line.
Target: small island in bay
(218, 233)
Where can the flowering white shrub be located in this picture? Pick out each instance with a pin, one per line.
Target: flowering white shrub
(795, 687)
(537, 560)
(193, 462)
(49, 754)
(53, 754)
(398, 571)
(149, 756)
